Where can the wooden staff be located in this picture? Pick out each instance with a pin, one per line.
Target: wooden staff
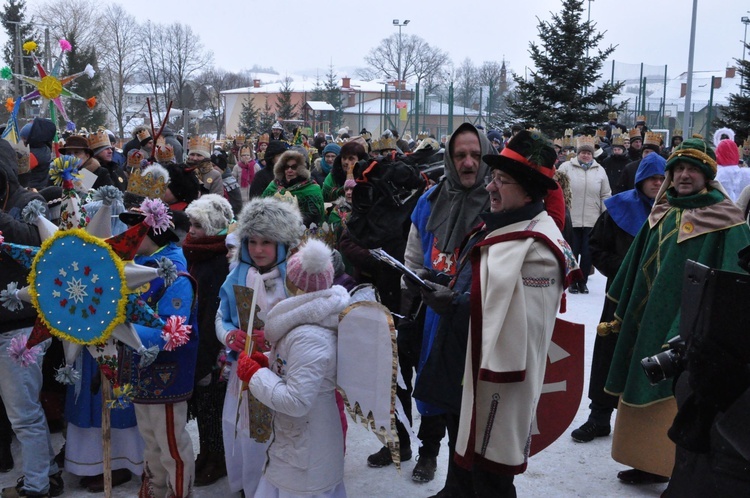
(106, 436)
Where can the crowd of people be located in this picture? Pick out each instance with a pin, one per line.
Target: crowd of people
(513, 222)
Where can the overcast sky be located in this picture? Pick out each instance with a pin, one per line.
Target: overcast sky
(297, 36)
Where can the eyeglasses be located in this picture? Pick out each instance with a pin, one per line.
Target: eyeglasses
(290, 166)
(498, 181)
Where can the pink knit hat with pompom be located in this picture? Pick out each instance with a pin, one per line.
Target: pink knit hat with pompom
(310, 269)
(727, 153)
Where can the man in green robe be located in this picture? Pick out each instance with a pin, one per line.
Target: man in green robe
(692, 218)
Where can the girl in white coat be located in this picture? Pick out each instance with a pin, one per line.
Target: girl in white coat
(306, 456)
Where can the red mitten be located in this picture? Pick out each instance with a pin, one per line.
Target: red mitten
(246, 367)
(260, 358)
(236, 340)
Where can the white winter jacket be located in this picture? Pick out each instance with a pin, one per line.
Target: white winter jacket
(306, 455)
(588, 189)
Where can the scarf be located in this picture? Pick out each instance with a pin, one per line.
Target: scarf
(201, 249)
(270, 292)
(248, 173)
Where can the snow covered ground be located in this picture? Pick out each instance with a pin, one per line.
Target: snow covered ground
(564, 469)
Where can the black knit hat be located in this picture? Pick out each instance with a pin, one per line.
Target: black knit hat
(530, 159)
(274, 149)
(183, 184)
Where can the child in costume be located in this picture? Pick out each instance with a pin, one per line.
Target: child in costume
(306, 456)
(267, 229)
(161, 390)
(206, 253)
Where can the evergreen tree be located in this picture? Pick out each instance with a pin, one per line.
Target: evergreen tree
(284, 107)
(79, 112)
(267, 118)
(560, 92)
(736, 114)
(333, 97)
(318, 92)
(249, 118)
(13, 18)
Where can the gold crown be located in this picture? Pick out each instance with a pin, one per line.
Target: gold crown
(677, 132)
(422, 135)
(384, 143)
(653, 139)
(197, 143)
(640, 119)
(287, 197)
(746, 143)
(151, 182)
(568, 132)
(246, 149)
(601, 133)
(618, 139)
(135, 158)
(99, 139)
(263, 139)
(143, 135)
(239, 140)
(585, 140)
(635, 133)
(164, 151)
(612, 115)
(323, 233)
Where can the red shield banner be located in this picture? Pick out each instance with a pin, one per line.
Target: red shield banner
(563, 385)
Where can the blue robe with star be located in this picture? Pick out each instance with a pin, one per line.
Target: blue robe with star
(170, 378)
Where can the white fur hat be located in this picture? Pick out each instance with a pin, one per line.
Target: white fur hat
(271, 219)
(212, 211)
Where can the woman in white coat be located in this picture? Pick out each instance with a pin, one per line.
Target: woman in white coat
(306, 456)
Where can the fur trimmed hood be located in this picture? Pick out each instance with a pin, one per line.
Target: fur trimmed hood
(271, 219)
(278, 168)
(212, 211)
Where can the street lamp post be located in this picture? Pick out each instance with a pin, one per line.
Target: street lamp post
(398, 76)
(745, 20)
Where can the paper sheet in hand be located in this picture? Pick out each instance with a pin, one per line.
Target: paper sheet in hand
(386, 258)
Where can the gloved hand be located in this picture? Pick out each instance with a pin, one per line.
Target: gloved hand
(413, 288)
(260, 358)
(246, 367)
(440, 300)
(236, 340)
(259, 338)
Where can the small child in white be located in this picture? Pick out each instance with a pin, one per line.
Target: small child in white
(306, 456)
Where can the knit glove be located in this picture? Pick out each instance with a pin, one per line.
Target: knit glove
(247, 366)
(260, 358)
(440, 300)
(236, 340)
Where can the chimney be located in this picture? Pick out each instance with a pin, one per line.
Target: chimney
(717, 82)
(346, 82)
(731, 71)
(683, 89)
(256, 83)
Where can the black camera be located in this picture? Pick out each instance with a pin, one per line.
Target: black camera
(666, 364)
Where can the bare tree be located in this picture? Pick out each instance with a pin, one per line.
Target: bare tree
(118, 61)
(156, 62)
(77, 18)
(492, 75)
(187, 57)
(211, 83)
(419, 60)
(467, 83)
